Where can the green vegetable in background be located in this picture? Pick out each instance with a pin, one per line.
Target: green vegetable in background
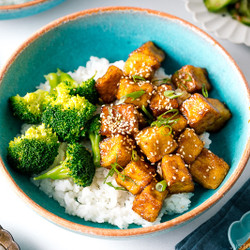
(95, 138)
(30, 107)
(78, 165)
(35, 151)
(68, 116)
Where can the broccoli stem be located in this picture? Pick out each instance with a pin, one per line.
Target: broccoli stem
(95, 139)
(58, 172)
(53, 80)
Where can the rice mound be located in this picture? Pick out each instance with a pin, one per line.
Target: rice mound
(99, 202)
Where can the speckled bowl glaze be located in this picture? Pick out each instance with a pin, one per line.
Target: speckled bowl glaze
(113, 33)
(239, 232)
(26, 9)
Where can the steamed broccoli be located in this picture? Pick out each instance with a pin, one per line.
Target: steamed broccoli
(77, 165)
(95, 138)
(68, 116)
(30, 107)
(62, 81)
(35, 151)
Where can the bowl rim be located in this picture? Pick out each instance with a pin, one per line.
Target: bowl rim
(22, 5)
(88, 230)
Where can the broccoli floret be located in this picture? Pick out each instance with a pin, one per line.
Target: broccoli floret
(68, 116)
(62, 81)
(78, 165)
(95, 138)
(35, 151)
(30, 107)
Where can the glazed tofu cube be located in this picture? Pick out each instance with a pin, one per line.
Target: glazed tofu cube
(127, 86)
(141, 65)
(176, 174)
(149, 202)
(179, 122)
(156, 142)
(184, 95)
(107, 85)
(150, 49)
(224, 113)
(208, 169)
(135, 176)
(160, 103)
(199, 112)
(119, 119)
(117, 148)
(191, 79)
(189, 145)
(144, 61)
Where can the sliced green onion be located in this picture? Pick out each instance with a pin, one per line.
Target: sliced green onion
(161, 186)
(116, 188)
(162, 81)
(138, 78)
(166, 121)
(134, 95)
(170, 130)
(134, 156)
(148, 116)
(171, 94)
(204, 90)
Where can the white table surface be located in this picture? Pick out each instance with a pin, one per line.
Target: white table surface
(32, 231)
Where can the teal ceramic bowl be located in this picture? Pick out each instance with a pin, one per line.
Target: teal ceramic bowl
(239, 232)
(26, 9)
(113, 33)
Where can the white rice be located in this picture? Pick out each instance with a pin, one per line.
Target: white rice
(12, 2)
(100, 202)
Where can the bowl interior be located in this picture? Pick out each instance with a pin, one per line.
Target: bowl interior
(113, 35)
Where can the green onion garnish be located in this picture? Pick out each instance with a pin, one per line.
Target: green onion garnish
(138, 78)
(148, 116)
(134, 95)
(170, 130)
(116, 188)
(204, 90)
(134, 156)
(166, 121)
(171, 94)
(161, 186)
(162, 81)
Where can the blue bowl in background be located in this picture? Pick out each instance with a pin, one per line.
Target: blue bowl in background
(239, 232)
(26, 9)
(113, 33)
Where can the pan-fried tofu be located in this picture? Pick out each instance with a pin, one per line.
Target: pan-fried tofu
(184, 95)
(224, 113)
(135, 176)
(199, 112)
(149, 202)
(150, 49)
(116, 149)
(191, 79)
(160, 103)
(127, 86)
(119, 119)
(155, 142)
(179, 122)
(144, 61)
(208, 169)
(189, 145)
(176, 174)
(107, 85)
